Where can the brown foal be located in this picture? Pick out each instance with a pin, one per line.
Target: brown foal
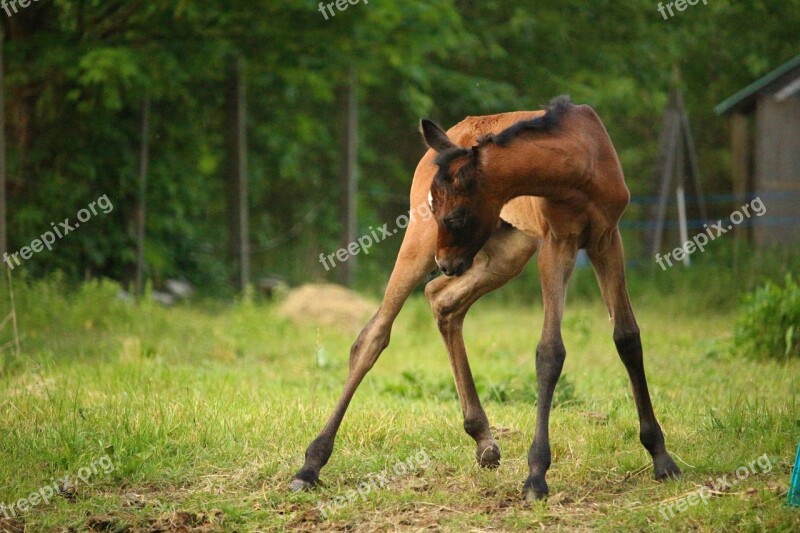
(501, 187)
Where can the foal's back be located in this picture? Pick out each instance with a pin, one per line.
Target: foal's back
(591, 211)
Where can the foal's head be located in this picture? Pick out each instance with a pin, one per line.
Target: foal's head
(465, 205)
(465, 213)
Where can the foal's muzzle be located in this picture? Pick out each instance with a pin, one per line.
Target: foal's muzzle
(453, 267)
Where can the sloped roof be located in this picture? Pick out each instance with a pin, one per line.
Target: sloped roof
(744, 100)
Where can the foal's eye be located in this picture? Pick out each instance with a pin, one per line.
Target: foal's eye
(455, 222)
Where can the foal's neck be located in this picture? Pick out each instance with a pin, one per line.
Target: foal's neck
(540, 167)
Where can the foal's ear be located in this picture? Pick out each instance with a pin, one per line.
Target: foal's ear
(434, 136)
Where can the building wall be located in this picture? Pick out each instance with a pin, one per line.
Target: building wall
(777, 170)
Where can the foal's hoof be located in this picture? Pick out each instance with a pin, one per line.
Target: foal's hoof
(489, 456)
(304, 481)
(535, 490)
(298, 485)
(665, 468)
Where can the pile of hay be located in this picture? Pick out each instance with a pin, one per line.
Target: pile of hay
(328, 305)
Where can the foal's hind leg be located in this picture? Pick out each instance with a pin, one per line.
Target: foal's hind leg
(556, 260)
(501, 259)
(609, 264)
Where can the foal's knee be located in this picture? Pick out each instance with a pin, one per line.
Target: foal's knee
(629, 346)
(373, 339)
(550, 352)
(550, 358)
(627, 340)
(444, 304)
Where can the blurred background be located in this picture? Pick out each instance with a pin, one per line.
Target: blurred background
(211, 151)
(239, 140)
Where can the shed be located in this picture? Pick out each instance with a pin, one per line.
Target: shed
(765, 151)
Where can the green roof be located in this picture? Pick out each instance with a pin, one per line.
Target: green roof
(744, 98)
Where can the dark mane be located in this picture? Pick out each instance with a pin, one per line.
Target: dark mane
(544, 124)
(443, 161)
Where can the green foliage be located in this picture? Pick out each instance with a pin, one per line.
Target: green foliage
(510, 388)
(768, 325)
(77, 72)
(413, 385)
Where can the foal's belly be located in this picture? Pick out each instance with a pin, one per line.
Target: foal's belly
(539, 217)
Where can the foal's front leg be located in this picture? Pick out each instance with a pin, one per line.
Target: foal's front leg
(413, 262)
(556, 260)
(502, 258)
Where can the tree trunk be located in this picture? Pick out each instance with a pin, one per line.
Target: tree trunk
(238, 214)
(349, 173)
(141, 207)
(3, 214)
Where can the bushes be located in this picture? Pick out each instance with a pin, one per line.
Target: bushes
(768, 326)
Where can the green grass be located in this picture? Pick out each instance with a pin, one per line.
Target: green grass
(206, 412)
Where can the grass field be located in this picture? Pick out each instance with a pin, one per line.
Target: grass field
(197, 418)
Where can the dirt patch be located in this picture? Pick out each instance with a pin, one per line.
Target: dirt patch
(172, 522)
(105, 523)
(327, 305)
(8, 525)
(184, 521)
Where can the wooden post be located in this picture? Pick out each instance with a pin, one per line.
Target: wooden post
(678, 157)
(680, 195)
(3, 215)
(238, 212)
(669, 143)
(13, 313)
(680, 192)
(3, 189)
(694, 165)
(349, 172)
(740, 165)
(141, 206)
